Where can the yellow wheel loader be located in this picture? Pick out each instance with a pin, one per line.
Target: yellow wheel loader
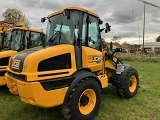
(72, 69)
(18, 39)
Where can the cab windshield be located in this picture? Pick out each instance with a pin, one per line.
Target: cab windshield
(21, 39)
(33, 39)
(63, 30)
(73, 27)
(14, 40)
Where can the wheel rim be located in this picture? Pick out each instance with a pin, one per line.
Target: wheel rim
(133, 84)
(87, 101)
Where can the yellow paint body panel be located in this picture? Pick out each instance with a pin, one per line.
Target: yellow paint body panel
(109, 64)
(103, 80)
(33, 93)
(26, 29)
(31, 62)
(7, 53)
(2, 81)
(11, 84)
(87, 59)
(4, 54)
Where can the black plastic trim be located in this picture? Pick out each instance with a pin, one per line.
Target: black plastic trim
(43, 75)
(118, 80)
(56, 83)
(78, 56)
(2, 73)
(4, 61)
(58, 62)
(19, 77)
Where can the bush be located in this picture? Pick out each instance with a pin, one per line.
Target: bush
(142, 59)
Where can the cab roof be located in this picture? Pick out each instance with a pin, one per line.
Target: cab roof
(26, 28)
(74, 8)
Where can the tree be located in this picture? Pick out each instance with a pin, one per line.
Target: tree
(111, 46)
(125, 42)
(158, 39)
(15, 16)
(104, 44)
(116, 38)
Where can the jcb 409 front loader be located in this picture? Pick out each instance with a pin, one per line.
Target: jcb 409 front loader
(18, 39)
(73, 68)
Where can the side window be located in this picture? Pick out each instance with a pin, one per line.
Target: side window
(26, 43)
(16, 40)
(8, 38)
(93, 34)
(84, 30)
(35, 39)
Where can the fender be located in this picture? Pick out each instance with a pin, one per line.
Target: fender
(79, 75)
(118, 80)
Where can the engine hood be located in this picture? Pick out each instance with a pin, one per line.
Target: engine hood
(27, 61)
(19, 58)
(7, 53)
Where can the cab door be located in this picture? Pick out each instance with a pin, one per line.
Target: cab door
(91, 44)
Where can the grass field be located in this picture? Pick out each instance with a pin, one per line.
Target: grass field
(144, 106)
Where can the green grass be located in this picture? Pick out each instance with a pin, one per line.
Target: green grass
(144, 106)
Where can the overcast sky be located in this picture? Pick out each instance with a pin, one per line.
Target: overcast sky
(124, 16)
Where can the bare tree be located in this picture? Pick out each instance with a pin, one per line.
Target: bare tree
(15, 16)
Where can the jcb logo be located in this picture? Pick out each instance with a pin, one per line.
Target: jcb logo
(96, 59)
(15, 64)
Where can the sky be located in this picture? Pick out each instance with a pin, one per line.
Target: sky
(126, 17)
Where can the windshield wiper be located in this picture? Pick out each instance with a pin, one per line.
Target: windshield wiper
(55, 35)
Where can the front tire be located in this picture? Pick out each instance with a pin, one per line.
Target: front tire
(84, 101)
(131, 84)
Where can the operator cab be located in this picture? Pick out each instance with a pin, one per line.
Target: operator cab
(20, 39)
(75, 27)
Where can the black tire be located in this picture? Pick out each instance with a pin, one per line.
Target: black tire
(131, 84)
(80, 105)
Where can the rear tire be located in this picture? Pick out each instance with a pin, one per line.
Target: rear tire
(131, 84)
(84, 101)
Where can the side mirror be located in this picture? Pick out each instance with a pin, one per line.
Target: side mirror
(100, 30)
(108, 28)
(118, 50)
(100, 22)
(43, 19)
(42, 34)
